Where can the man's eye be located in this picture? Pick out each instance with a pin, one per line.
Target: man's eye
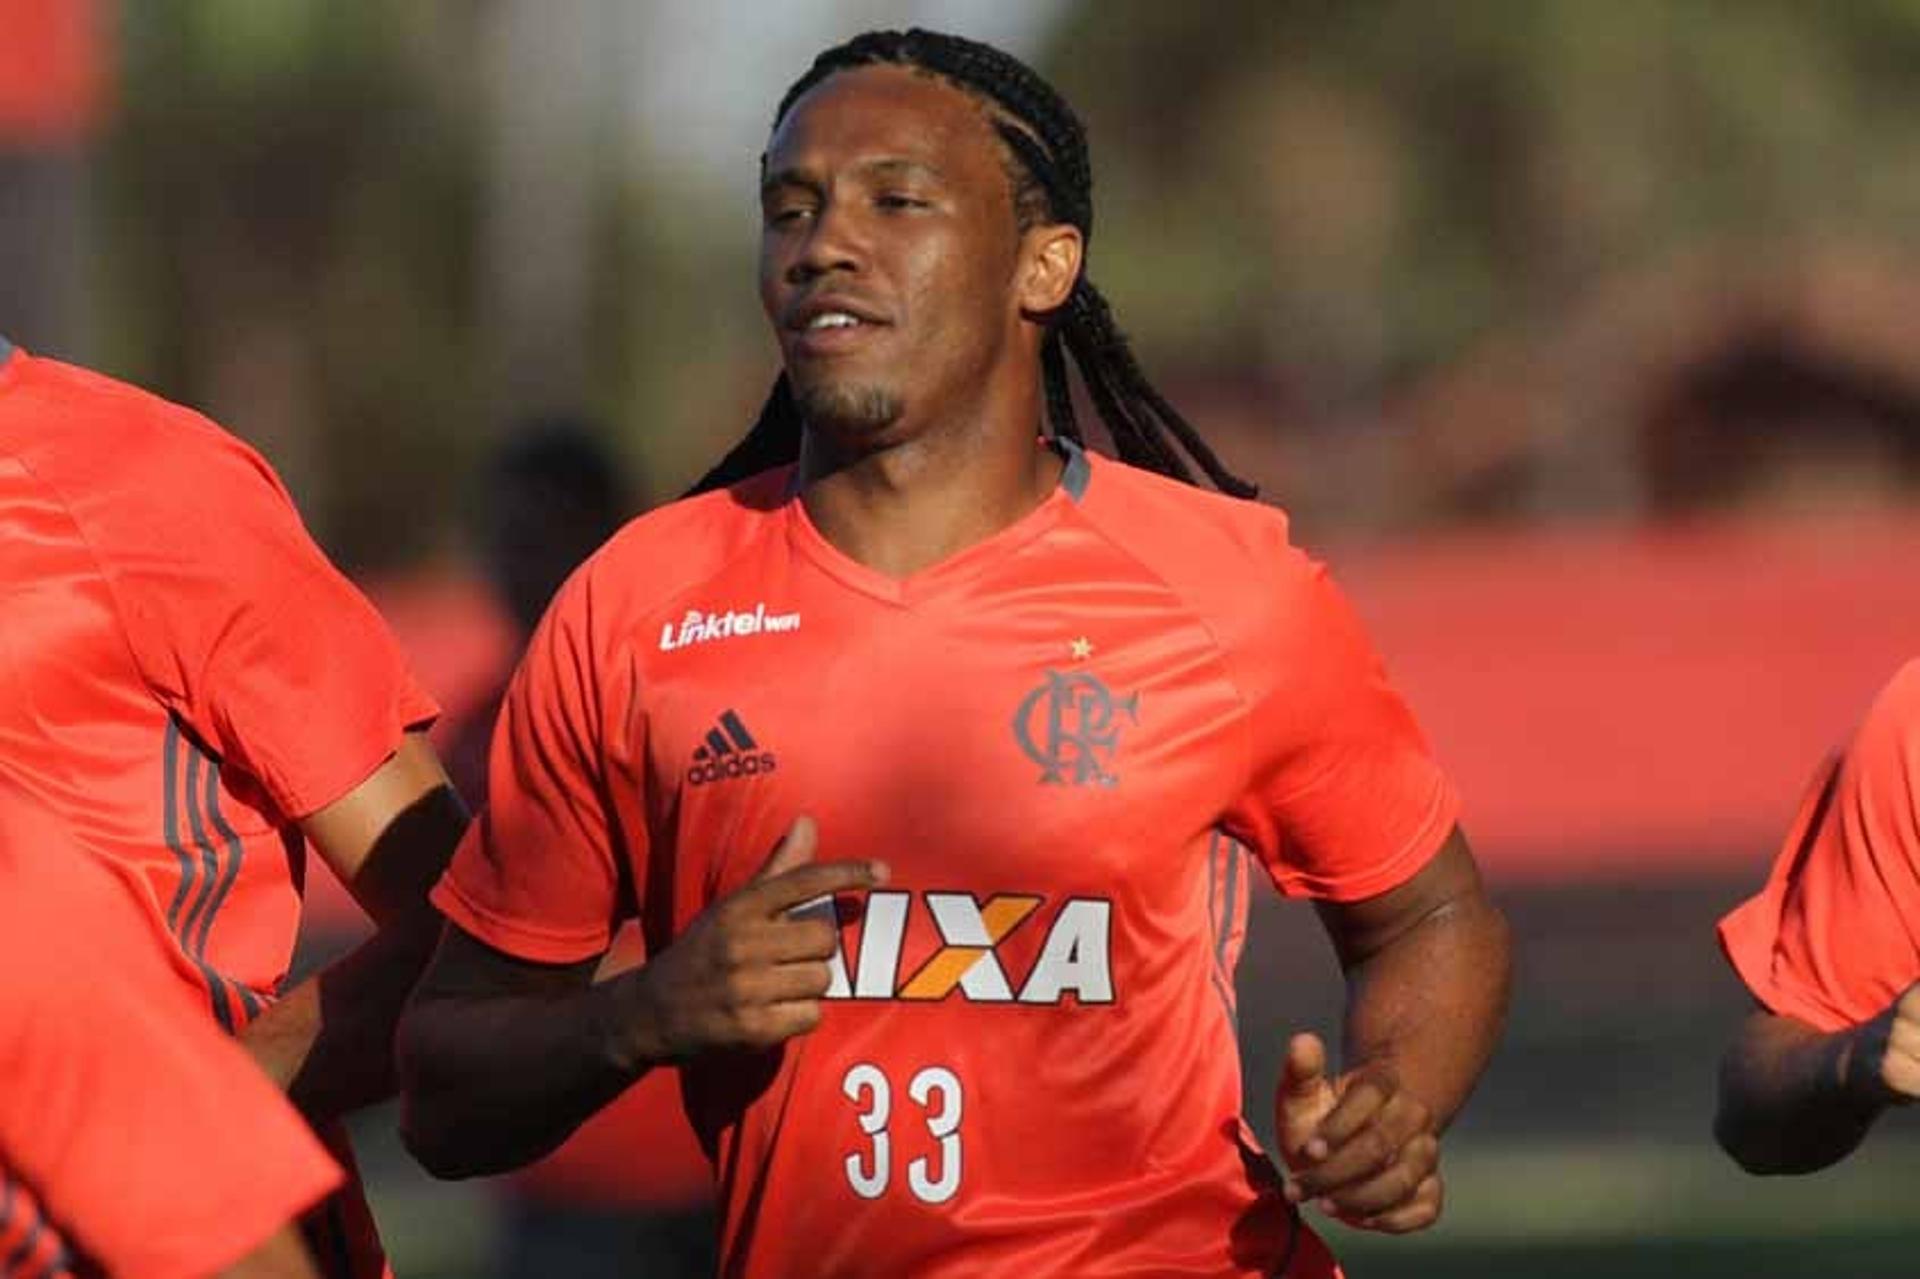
(894, 200)
(788, 215)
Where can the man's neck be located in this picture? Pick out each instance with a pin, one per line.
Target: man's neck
(907, 507)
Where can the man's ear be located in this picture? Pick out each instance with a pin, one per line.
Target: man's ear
(1049, 267)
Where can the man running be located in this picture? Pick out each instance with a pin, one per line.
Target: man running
(1044, 712)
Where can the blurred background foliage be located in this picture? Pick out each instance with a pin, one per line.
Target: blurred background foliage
(311, 218)
(1375, 185)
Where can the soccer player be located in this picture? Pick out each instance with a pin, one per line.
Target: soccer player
(135, 1139)
(1016, 722)
(1828, 950)
(194, 692)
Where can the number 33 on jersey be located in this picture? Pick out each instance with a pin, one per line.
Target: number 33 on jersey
(1072, 966)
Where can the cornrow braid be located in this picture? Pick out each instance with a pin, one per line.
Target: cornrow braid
(1052, 177)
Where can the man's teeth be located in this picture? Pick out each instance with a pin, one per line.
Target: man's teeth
(833, 320)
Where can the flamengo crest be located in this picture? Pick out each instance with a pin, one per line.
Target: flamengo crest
(1070, 726)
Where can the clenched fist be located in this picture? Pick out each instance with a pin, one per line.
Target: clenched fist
(1358, 1146)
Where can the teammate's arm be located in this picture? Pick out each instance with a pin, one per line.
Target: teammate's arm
(1427, 971)
(501, 1058)
(329, 1041)
(1826, 948)
(275, 663)
(1796, 1099)
(284, 1256)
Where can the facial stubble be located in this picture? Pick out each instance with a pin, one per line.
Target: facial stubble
(848, 414)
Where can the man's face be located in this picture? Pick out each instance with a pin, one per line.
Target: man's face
(887, 253)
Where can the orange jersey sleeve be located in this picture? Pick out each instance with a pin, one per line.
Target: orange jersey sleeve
(129, 1126)
(1336, 790)
(1834, 937)
(1344, 797)
(235, 618)
(537, 874)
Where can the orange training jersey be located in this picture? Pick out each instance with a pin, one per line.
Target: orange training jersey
(182, 672)
(1834, 937)
(135, 1139)
(1072, 743)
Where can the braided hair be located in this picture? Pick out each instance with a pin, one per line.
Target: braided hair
(1052, 178)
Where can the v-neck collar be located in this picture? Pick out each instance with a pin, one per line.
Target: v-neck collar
(963, 565)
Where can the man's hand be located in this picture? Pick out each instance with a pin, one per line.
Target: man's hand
(1358, 1146)
(1882, 1064)
(750, 972)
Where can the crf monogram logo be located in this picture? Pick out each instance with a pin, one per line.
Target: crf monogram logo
(1070, 727)
(1074, 958)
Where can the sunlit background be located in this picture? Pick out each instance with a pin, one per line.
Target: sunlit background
(1582, 338)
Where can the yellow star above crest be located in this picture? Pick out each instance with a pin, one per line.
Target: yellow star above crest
(1082, 649)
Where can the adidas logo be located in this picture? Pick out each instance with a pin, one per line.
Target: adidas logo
(728, 752)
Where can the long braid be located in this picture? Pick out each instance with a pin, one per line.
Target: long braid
(773, 441)
(1052, 176)
(1096, 318)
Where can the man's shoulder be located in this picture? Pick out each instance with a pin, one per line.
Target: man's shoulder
(1900, 699)
(656, 558)
(1888, 741)
(1153, 506)
(1220, 552)
(86, 435)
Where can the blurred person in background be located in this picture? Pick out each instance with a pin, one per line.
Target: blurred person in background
(1072, 703)
(197, 696)
(135, 1139)
(629, 1196)
(546, 499)
(1830, 949)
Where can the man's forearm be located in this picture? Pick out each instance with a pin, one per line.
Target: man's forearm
(493, 1082)
(1429, 1005)
(1788, 1102)
(328, 1042)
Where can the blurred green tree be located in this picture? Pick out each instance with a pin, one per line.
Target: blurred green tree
(1357, 190)
(290, 196)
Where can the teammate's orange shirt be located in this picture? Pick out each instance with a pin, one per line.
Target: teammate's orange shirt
(183, 674)
(1063, 740)
(1834, 937)
(135, 1139)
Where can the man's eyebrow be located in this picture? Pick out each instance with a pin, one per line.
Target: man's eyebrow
(885, 167)
(788, 177)
(892, 167)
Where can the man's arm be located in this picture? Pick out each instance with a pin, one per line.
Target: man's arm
(1427, 975)
(284, 1256)
(328, 1042)
(1795, 1099)
(501, 1059)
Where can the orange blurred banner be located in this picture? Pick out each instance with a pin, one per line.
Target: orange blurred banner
(1641, 701)
(55, 70)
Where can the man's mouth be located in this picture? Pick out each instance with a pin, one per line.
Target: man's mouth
(826, 326)
(832, 320)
